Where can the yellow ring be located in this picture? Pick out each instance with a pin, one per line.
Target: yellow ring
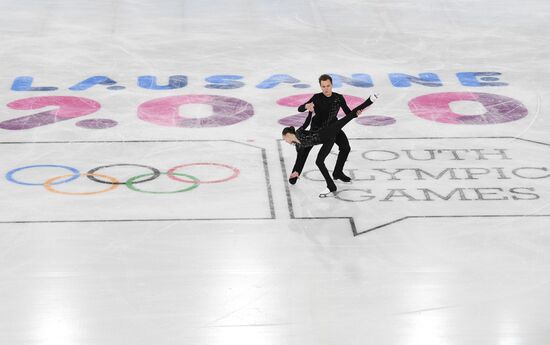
(49, 182)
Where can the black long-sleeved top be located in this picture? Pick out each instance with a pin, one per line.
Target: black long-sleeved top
(307, 138)
(312, 138)
(319, 135)
(326, 110)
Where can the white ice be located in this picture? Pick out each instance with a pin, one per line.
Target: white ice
(415, 251)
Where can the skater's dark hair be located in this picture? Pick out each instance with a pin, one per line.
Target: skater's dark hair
(325, 77)
(287, 130)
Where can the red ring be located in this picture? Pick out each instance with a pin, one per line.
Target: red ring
(170, 173)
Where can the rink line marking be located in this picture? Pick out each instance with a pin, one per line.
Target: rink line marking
(434, 138)
(127, 220)
(285, 180)
(127, 141)
(289, 197)
(352, 221)
(268, 185)
(263, 151)
(457, 216)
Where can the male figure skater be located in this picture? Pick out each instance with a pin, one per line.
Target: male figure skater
(326, 106)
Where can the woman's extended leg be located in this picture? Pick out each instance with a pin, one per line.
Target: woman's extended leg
(332, 130)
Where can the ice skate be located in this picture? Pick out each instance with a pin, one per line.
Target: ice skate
(342, 177)
(326, 193)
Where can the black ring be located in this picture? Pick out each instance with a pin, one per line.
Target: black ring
(156, 173)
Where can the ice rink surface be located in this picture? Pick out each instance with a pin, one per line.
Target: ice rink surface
(144, 196)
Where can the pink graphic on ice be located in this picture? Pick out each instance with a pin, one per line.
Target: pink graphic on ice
(375, 120)
(499, 109)
(68, 107)
(165, 111)
(96, 123)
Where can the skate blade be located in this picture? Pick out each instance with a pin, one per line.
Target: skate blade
(326, 195)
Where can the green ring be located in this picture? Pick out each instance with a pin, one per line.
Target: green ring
(130, 184)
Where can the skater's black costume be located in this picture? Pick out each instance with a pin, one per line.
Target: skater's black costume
(326, 130)
(324, 135)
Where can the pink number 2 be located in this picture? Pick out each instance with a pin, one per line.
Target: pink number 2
(68, 107)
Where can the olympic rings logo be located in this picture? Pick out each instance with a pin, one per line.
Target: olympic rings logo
(113, 183)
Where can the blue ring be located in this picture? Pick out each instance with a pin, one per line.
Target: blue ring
(9, 175)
